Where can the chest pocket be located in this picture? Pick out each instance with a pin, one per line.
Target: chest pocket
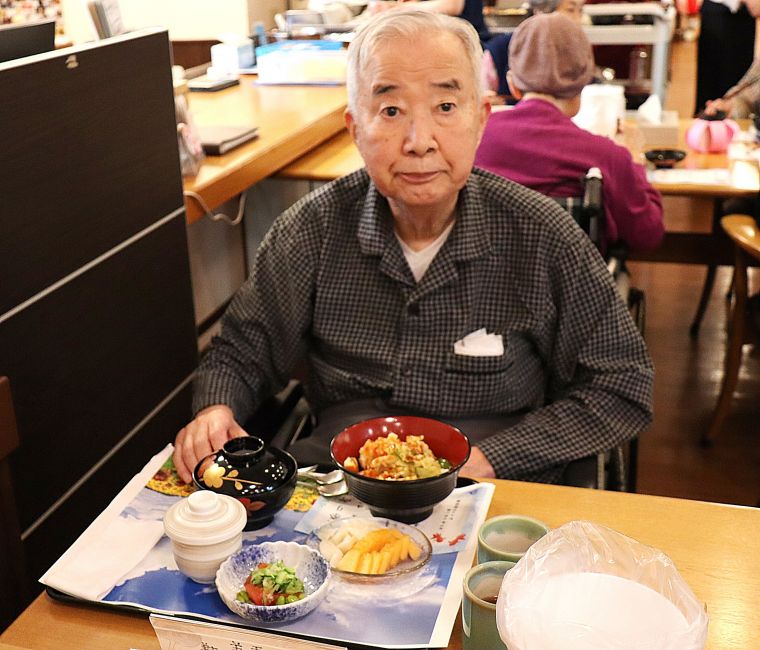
(494, 384)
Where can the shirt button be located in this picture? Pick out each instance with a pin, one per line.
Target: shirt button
(414, 309)
(406, 371)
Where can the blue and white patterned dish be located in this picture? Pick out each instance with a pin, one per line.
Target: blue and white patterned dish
(310, 567)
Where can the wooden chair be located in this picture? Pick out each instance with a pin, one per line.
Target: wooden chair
(13, 590)
(744, 233)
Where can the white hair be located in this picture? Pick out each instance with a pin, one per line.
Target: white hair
(409, 24)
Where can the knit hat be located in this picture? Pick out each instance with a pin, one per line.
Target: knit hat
(550, 54)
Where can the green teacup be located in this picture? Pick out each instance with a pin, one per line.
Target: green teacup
(481, 588)
(508, 537)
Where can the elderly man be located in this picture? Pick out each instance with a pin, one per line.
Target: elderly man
(379, 277)
(537, 144)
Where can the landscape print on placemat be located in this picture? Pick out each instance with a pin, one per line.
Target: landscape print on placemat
(157, 585)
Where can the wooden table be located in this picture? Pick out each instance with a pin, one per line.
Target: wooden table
(338, 156)
(292, 120)
(715, 547)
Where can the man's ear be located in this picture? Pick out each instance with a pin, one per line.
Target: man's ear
(513, 90)
(484, 113)
(348, 117)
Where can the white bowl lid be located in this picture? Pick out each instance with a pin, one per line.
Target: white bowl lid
(204, 517)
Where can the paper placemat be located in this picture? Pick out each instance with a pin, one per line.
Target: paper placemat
(690, 176)
(448, 528)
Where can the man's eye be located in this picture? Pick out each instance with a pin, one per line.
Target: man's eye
(391, 111)
(447, 107)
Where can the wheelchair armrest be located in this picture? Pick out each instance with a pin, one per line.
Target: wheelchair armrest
(280, 416)
(585, 472)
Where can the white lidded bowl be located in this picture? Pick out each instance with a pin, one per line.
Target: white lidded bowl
(205, 529)
(310, 567)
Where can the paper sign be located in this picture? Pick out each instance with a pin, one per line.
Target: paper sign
(182, 634)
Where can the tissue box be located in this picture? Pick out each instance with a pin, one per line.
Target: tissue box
(302, 62)
(231, 57)
(664, 134)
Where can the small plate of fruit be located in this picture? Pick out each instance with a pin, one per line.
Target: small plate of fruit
(372, 549)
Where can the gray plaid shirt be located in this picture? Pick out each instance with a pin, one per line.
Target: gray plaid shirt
(330, 281)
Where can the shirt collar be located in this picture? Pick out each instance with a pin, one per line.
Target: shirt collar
(469, 239)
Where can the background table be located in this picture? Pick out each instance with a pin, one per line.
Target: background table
(715, 547)
(338, 156)
(292, 120)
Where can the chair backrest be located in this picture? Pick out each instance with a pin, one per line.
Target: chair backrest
(13, 588)
(744, 232)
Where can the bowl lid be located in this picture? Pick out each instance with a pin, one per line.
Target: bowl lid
(204, 517)
(244, 467)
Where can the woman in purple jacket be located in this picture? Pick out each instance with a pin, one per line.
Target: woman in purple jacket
(537, 145)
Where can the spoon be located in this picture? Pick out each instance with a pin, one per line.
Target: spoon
(335, 476)
(331, 490)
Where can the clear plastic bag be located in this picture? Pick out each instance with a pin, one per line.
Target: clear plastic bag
(584, 586)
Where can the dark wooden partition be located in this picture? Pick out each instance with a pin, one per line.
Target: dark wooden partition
(97, 332)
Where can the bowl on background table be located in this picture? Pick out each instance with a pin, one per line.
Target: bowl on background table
(407, 501)
(665, 158)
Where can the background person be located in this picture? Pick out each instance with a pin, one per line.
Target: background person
(536, 143)
(377, 278)
(496, 54)
(745, 102)
(469, 10)
(725, 47)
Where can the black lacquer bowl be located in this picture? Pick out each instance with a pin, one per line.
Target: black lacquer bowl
(407, 501)
(261, 478)
(665, 158)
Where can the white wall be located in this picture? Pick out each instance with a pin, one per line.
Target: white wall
(185, 19)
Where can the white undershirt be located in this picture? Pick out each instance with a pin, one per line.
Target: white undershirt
(419, 261)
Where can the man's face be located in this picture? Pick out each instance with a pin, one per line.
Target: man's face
(417, 122)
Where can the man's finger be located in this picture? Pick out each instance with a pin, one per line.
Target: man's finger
(179, 461)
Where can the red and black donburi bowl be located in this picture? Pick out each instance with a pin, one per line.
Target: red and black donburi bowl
(406, 501)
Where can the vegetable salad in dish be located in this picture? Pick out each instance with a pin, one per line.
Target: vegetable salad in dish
(271, 584)
(394, 459)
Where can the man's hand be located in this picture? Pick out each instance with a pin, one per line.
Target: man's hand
(477, 466)
(210, 429)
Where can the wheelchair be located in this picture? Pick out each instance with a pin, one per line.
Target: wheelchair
(287, 417)
(617, 468)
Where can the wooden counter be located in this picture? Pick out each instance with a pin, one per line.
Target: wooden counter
(715, 547)
(292, 120)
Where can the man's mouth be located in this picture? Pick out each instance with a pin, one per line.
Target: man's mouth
(418, 177)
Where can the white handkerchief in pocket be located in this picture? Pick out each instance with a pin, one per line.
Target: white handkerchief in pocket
(480, 344)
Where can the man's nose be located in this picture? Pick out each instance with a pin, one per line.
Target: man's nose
(420, 137)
